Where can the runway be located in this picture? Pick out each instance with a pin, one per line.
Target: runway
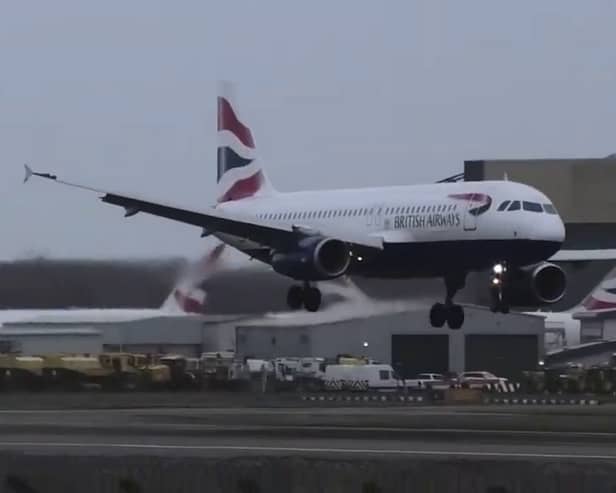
(564, 434)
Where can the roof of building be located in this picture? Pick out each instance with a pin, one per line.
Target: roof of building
(351, 310)
(96, 316)
(29, 331)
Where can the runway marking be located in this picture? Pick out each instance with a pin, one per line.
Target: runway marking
(249, 448)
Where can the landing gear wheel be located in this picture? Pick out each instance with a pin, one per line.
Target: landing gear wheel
(312, 299)
(438, 315)
(455, 317)
(499, 304)
(295, 297)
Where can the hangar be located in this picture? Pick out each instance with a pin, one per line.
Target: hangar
(188, 335)
(505, 345)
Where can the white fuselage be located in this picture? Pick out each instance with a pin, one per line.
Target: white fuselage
(421, 223)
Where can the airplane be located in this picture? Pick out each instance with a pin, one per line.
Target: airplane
(185, 299)
(438, 230)
(562, 329)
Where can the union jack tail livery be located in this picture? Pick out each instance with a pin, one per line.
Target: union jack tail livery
(603, 297)
(240, 175)
(187, 295)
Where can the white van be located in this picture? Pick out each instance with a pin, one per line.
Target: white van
(361, 377)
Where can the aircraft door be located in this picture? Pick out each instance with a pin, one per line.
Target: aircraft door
(470, 219)
(375, 217)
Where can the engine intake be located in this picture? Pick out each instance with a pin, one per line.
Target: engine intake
(544, 283)
(316, 259)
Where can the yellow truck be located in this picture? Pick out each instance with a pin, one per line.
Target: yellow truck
(20, 372)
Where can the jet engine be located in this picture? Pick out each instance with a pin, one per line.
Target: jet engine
(541, 284)
(314, 259)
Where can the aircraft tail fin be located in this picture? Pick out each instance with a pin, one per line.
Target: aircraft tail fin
(187, 295)
(240, 174)
(602, 297)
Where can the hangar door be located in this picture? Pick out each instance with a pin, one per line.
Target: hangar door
(413, 354)
(503, 355)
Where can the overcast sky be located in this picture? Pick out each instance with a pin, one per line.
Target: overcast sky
(338, 94)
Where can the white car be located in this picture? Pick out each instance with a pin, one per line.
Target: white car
(479, 379)
(427, 381)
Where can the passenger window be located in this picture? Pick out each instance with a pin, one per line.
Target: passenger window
(504, 205)
(515, 206)
(532, 206)
(549, 208)
(384, 374)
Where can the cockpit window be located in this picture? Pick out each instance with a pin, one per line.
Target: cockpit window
(515, 206)
(532, 206)
(504, 205)
(549, 208)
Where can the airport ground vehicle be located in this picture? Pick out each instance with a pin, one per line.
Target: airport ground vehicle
(20, 372)
(361, 378)
(184, 372)
(115, 371)
(221, 369)
(428, 381)
(479, 379)
(571, 378)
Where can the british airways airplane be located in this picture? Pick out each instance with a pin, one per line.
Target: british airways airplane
(441, 230)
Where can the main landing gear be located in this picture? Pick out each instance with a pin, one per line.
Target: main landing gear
(306, 295)
(449, 312)
(498, 284)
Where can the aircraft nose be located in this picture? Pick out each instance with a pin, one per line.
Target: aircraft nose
(555, 230)
(550, 229)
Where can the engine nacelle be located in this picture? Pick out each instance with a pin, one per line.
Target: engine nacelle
(541, 284)
(315, 259)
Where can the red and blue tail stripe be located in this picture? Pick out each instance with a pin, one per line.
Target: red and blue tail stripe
(239, 174)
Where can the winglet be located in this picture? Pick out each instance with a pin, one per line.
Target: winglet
(28, 171)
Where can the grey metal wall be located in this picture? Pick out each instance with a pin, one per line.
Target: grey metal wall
(419, 353)
(373, 336)
(30, 344)
(506, 355)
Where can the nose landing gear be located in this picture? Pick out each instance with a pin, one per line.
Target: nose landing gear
(498, 292)
(306, 295)
(449, 312)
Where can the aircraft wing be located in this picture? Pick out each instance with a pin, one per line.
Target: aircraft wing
(266, 233)
(583, 255)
